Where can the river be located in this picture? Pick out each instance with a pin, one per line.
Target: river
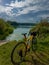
(17, 33)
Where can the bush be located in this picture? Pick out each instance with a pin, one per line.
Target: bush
(5, 29)
(42, 28)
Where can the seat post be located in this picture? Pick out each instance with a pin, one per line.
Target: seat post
(24, 34)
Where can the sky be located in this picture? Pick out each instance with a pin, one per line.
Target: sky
(24, 10)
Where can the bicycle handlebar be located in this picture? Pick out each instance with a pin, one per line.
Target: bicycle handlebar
(24, 34)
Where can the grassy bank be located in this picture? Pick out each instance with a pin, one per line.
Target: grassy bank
(5, 53)
(42, 53)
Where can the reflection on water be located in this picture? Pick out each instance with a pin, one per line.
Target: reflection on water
(17, 34)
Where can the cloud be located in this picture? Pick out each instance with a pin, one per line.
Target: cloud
(37, 5)
(43, 16)
(0, 1)
(18, 4)
(27, 10)
(24, 7)
(21, 3)
(7, 10)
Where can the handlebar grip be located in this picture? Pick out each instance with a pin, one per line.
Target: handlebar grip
(24, 33)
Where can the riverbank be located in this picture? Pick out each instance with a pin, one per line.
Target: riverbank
(3, 42)
(42, 53)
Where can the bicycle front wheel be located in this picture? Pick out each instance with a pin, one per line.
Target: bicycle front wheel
(18, 53)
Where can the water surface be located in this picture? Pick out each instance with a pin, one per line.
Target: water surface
(17, 34)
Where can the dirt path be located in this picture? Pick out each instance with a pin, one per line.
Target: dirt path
(3, 42)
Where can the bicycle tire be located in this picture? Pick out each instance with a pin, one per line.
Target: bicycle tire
(12, 53)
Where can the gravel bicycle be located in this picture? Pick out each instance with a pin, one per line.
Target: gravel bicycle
(21, 56)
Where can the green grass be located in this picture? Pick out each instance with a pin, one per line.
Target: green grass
(5, 53)
(42, 53)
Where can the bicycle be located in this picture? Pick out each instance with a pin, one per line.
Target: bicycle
(23, 56)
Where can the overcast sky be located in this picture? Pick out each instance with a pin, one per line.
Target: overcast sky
(24, 10)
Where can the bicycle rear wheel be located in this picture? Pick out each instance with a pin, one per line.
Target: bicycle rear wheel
(18, 53)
